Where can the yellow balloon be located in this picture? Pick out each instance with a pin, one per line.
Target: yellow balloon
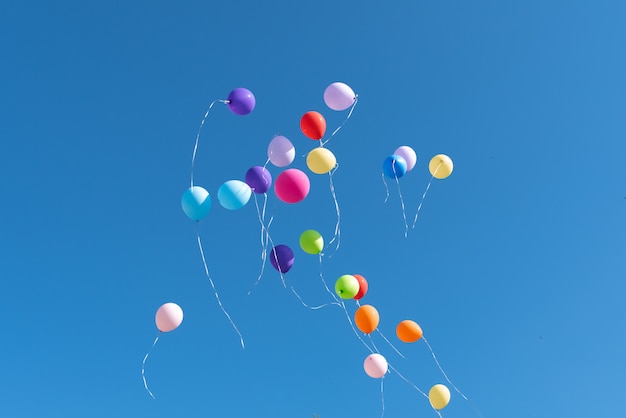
(321, 160)
(439, 396)
(440, 166)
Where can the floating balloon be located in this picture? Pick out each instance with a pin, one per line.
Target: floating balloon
(347, 286)
(292, 186)
(241, 101)
(281, 151)
(311, 241)
(234, 194)
(409, 156)
(375, 366)
(440, 166)
(321, 160)
(313, 125)
(282, 258)
(196, 202)
(394, 166)
(168, 317)
(366, 319)
(259, 179)
(408, 331)
(439, 396)
(362, 286)
(339, 96)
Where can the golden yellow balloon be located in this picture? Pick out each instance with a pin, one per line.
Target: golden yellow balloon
(440, 166)
(321, 160)
(439, 396)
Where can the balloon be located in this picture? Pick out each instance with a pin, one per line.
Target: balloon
(282, 258)
(366, 319)
(394, 166)
(440, 166)
(259, 179)
(311, 241)
(375, 366)
(292, 185)
(409, 156)
(196, 202)
(234, 194)
(347, 286)
(408, 331)
(281, 151)
(439, 396)
(339, 96)
(362, 286)
(168, 317)
(313, 125)
(241, 101)
(321, 160)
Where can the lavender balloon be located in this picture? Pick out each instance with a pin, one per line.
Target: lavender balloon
(339, 96)
(259, 179)
(282, 258)
(241, 101)
(281, 151)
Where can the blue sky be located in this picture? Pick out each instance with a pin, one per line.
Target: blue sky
(514, 270)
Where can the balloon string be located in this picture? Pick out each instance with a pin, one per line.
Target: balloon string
(308, 306)
(424, 195)
(354, 329)
(448, 379)
(195, 147)
(356, 99)
(389, 342)
(386, 188)
(337, 235)
(143, 366)
(406, 225)
(217, 297)
(408, 381)
(264, 237)
(326, 285)
(382, 395)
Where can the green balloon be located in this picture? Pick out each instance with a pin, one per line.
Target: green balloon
(311, 241)
(347, 286)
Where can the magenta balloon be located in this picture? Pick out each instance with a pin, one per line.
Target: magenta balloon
(241, 101)
(409, 156)
(292, 186)
(282, 258)
(375, 366)
(339, 96)
(259, 179)
(281, 151)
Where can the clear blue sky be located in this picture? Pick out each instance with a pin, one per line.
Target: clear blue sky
(515, 269)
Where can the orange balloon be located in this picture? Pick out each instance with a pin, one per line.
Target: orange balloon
(408, 331)
(366, 318)
(313, 125)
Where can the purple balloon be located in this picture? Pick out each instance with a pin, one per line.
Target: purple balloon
(281, 151)
(282, 258)
(259, 179)
(241, 101)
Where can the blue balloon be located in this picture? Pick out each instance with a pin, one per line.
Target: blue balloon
(196, 202)
(234, 194)
(394, 166)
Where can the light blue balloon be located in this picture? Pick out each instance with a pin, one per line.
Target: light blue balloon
(234, 194)
(196, 202)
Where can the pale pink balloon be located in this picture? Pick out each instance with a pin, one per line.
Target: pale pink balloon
(339, 96)
(375, 366)
(168, 317)
(409, 156)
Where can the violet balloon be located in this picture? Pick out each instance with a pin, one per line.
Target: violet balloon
(259, 179)
(282, 258)
(339, 96)
(281, 151)
(241, 101)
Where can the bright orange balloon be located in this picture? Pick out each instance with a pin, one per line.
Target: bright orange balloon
(366, 318)
(408, 331)
(313, 125)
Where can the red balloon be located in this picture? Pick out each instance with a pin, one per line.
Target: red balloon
(313, 125)
(362, 286)
(292, 185)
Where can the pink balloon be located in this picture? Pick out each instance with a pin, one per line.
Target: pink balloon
(281, 151)
(339, 96)
(292, 186)
(168, 317)
(409, 156)
(375, 366)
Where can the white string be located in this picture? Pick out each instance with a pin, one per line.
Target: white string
(389, 342)
(219, 302)
(408, 381)
(195, 147)
(143, 366)
(382, 395)
(356, 99)
(337, 235)
(406, 225)
(264, 237)
(424, 195)
(386, 188)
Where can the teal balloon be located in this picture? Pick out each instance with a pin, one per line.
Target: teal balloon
(347, 286)
(234, 194)
(196, 202)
